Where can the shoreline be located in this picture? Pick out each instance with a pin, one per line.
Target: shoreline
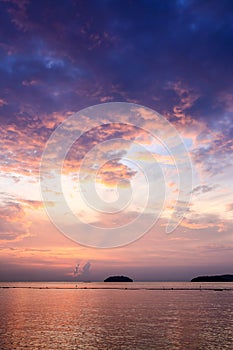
(120, 288)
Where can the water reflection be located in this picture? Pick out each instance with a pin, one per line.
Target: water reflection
(115, 319)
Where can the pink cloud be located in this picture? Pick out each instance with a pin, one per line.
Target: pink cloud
(2, 102)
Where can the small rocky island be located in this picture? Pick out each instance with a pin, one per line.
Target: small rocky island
(118, 279)
(217, 278)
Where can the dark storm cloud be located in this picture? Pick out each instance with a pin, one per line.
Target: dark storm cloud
(71, 54)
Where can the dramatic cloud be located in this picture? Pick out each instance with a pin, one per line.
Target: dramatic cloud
(60, 57)
(82, 269)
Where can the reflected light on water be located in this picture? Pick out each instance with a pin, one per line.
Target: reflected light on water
(115, 319)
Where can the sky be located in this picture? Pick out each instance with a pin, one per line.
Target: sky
(60, 58)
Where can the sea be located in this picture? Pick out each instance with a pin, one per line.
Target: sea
(137, 315)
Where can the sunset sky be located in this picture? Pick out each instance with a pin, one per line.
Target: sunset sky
(60, 57)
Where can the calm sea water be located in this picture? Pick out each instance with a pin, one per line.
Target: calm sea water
(143, 316)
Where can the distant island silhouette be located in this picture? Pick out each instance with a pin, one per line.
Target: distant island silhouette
(217, 278)
(118, 279)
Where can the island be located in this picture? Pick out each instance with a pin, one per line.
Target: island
(118, 279)
(217, 278)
